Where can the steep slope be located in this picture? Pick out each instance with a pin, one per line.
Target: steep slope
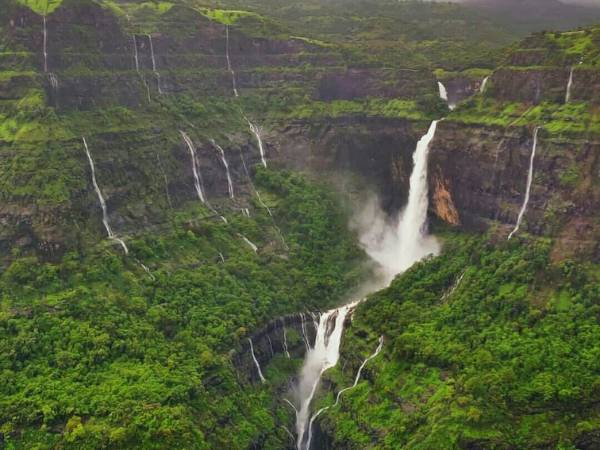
(481, 157)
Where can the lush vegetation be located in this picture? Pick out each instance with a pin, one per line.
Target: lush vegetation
(488, 346)
(95, 352)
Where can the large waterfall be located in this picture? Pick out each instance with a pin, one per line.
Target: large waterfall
(395, 247)
(529, 181)
(109, 231)
(322, 356)
(339, 394)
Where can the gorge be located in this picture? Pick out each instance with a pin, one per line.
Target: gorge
(331, 225)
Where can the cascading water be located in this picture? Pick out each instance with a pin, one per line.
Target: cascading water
(195, 171)
(569, 86)
(529, 182)
(229, 68)
(109, 231)
(444, 95)
(260, 374)
(395, 248)
(322, 356)
(224, 161)
(337, 398)
(154, 64)
(484, 84)
(285, 346)
(257, 134)
(255, 129)
(53, 81)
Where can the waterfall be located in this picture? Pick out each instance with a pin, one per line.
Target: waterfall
(53, 80)
(154, 64)
(45, 49)
(109, 231)
(147, 270)
(257, 134)
(197, 178)
(229, 68)
(529, 181)
(303, 328)
(569, 86)
(262, 378)
(412, 225)
(443, 91)
(246, 212)
(395, 248)
(337, 399)
(249, 242)
(135, 55)
(322, 356)
(285, 346)
(484, 84)
(224, 161)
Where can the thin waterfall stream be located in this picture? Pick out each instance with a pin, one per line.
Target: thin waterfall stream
(105, 221)
(226, 165)
(529, 182)
(569, 86)
(154, 64)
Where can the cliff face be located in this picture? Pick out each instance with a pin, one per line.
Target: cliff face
(130, 83)
(479, 175)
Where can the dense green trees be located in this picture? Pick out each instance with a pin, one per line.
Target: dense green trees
(94, 353)
(507, 357)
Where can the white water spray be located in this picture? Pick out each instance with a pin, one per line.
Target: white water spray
(196, 172)
(154, 64)
(529, 181)
(260, 374)
(229, 67)
(109, 231)
(224, 161)
(569, 86)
